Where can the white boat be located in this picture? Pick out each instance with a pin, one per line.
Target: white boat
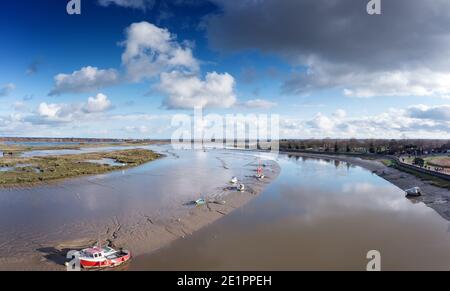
(234, 180)
(241, 188)
(413, 192)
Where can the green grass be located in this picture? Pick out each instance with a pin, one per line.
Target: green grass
(388, 163)
(42, 169)
(436, 181)
(16, 149)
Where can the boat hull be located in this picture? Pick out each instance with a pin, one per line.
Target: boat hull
(106, 263)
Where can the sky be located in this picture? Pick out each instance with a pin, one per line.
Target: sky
(125, 68)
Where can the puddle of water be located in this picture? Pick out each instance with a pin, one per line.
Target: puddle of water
(108, 162)
(40, 143)
(45, 153)
(318, 215)
(23, 165)
(19, 167)
(52, 143)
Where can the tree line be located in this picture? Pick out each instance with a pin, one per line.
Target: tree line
(368, 146)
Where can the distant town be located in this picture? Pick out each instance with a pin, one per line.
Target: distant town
(369, 146)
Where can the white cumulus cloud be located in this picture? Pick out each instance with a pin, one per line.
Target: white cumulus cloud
(49, 110)
(413, 122)
(187, 91)
(85, 80)
(150, 50)
(61, 113)
(98, 103)
(421, 82)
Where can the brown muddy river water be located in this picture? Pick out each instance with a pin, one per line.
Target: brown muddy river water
(318, 215)
(40, 217)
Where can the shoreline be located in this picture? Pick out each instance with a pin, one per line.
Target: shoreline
(435, 197)
(148, 234)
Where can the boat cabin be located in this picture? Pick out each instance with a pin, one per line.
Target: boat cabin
(97, 252)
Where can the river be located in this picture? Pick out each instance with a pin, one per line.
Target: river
(318, 215)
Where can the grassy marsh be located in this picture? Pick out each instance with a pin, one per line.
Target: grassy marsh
(42, 169)
(14, 150)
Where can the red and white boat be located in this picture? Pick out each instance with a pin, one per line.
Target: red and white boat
(103, 257)
(260, 172)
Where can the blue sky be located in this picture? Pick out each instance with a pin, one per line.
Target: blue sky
(124, 68)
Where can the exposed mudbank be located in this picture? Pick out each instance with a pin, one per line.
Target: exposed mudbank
(144, 227)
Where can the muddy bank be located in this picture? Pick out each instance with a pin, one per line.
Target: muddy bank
(142, 229)
(433, 196)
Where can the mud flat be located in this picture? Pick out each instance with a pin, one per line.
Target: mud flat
(433, 196)
(146, 223)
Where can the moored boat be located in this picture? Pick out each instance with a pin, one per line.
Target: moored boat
(260, 172)
(200, 202)
(413, 192)
(102, 257)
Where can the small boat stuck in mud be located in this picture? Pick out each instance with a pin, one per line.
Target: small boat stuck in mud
(413, 192)
(102, 257)
(200, 202)
(234, 180)
(260, 171)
